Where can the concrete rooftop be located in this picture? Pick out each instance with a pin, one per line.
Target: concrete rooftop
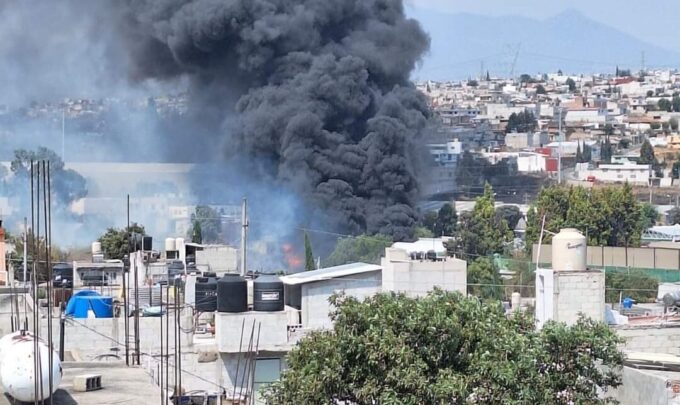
(120, 385)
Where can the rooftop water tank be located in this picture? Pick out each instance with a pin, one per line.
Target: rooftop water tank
(205, 294)
(569, 251)
(96, 248)
(232, 293)
(268, 294)
(170, 245)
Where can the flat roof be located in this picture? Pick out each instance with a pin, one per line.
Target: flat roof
(329, 273)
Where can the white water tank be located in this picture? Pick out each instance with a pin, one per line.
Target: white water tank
(569, 249)
(170, 245)
(17, 369)
(96, 248)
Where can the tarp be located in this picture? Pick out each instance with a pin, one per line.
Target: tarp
(87, 300)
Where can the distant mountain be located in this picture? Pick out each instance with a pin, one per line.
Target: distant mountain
(569, 41)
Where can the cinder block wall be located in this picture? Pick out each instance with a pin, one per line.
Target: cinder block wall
(579, 292)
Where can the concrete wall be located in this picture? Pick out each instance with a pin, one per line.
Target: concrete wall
(659, 258)
(647, 387)
(315, 305)
(653, 339)
(417, 278)
(273, 328)
(218, 259)
(579, 292)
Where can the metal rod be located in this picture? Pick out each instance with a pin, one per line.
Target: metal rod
(244, 235)
(126, 273)
(160, 362)
(167, 340)
(174, 328)
(48, 259)
(255, 355)
(34, 291)
(62, 326)
(246, 365)
(238, 360)
(137, 354)
(179, 339)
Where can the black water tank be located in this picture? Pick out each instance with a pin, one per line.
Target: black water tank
(62, 275)
(206, 294)
(268, 294)
(147, 243)
(232, 293)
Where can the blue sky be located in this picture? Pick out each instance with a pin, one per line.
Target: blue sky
(654, 21)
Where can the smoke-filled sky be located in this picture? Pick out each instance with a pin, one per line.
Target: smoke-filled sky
(312, 96)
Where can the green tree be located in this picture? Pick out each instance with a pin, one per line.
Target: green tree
(579, 154)
(609, 216)
(210, 221)
(635, 284)
(115, 242)
(445, 348)
(665, 105)
(472, 83)
(608, 129)
(675, 171)
(362, 248)
(447, 221)
(647, 153)
(673, 216)
(524, 121)
(196, 233)
(484, 280)
(673, 123)
(649, 216)
(423, 232)
(481, 232)
(606, 151)
(310, 264)
(540, 89)
(572, 85)
(675, 103)
(510, 213)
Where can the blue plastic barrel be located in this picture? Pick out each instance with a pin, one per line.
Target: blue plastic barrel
(627, 303)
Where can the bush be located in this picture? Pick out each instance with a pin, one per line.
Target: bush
(635, 284)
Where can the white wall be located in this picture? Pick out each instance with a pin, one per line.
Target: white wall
(417, 278)
(579, 292)
(315, 305)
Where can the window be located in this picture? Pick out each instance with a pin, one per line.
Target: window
(266, 372)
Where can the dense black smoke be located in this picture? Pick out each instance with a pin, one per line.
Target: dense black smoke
(313, 95)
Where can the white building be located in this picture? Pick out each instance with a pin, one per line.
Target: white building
(307, 307)
(623, 173)
(586, 116)
(522, 140)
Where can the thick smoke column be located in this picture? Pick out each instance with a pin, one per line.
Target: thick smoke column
(313, 95)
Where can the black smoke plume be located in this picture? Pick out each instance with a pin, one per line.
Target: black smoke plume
(312, 95)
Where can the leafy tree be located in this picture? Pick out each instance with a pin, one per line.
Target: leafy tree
(526, 78)
(362, 248)
(572, 85)
(447, 221)
(447, 349)
(675, 103)
(524, 275)
(540, 89)
(606, 151)
(675, 171)
(673, 216)
(609, 216)
(34, 252)
(510, 213)
(608, 129)
(423, 232)
(524, 121)
(309, 255)
(430, 220)
(587, 153)
(210, 223)
(665, 105)
(649, 216)
(67, 185)
(579, 154)
(488, 77)
(115, 241)
(673, 122)
(484, 280)
(635, 284)
(647, 153)
(481, 232)
(196, 233)
(472, 83)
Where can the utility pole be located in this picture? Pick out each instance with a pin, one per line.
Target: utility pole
(25, 250)
(244, 235)
(559, 148)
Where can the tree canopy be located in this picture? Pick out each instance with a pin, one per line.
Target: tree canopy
(673, 216)
(609, 216)
(444, 222)
(210, 223)
(446, 349)
(524, 121)
(362, 248)
(484, 280)
(481, 232)
(115, 241)
(310, 264)
(572, 84)
(510, 213)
